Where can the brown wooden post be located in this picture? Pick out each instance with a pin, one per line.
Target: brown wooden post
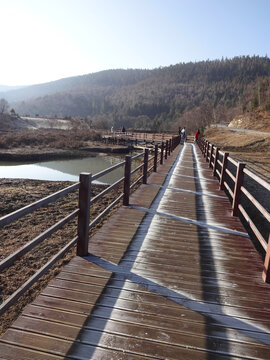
(223, 170)
(237, 186)
(127, 181)
(84, 214)
(211, 154)
(169, 147)
(155, 158)
(166, 150)
(266, 267)
(207, 150)
(162, 153)
(204, 147)
(215, 161)
(145, 166)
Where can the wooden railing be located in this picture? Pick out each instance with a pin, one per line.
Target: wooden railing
(236, 180)
(138, 135)
(130, 179)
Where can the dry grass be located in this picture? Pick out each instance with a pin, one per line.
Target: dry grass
(258, 119)
(15, 194)
(43, 138)
(252, 149)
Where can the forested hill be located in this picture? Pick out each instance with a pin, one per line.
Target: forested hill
(188, 94)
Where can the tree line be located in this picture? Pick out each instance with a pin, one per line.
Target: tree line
(186, 94)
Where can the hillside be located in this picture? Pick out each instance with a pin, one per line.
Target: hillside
(189, 94)
(246, 144)
(259, 119)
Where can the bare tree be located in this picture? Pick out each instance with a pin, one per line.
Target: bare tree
(3, 106)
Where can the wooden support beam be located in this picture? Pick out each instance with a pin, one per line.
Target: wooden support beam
(127, 181)
(84, 214)
(223, 170)
(266, 267)
(211, 155)
(162, 153)
(155, 158)
(237, 188)
(166, 150)
(145, 166)
(215, 161)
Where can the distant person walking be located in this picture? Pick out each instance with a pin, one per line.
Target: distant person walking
(183, 135)
(123, 130)
(196, 137)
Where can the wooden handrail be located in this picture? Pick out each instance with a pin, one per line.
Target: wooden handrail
(30, 245)
(230, 175)
(262, 182)
(9, 218)
(239, 189)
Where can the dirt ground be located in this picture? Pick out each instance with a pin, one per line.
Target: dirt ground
(15, 194)
(259, 119)
(250, 148)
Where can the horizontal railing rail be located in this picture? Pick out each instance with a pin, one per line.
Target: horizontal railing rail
(9, 218)
(137, 175)
(234, 178)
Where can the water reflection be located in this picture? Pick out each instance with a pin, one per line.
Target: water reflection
(60, 170)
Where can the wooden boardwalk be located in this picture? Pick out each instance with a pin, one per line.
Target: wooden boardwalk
(172, 276)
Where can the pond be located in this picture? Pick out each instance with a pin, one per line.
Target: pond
(64, 170)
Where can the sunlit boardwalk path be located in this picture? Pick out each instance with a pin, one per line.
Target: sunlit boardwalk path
(172, 276)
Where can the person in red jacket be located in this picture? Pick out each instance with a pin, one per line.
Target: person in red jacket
(196, 137)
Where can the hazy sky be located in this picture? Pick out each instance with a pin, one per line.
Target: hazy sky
(44, 40)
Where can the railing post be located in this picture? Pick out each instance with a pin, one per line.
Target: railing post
(169, 147)
(215, 161)
(237, 187)
(84, 214)
(204, 147)
(207, 151)
(145, 166)
(266, 267)
(223, 170)
(127, 181)
(166, 150)
(155, 158)
(211, 154)
(162, 153)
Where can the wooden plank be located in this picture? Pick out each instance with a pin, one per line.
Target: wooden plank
(11, 351)
(179, 325)
(59, 337)
(112, 335)
(60, 347)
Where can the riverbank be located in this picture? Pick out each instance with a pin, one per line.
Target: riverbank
(40, 145)
(17, 193)
(46, 154)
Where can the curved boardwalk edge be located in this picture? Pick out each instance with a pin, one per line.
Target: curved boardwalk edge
(162, 280)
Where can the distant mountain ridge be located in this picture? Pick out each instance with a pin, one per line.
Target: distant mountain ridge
(102, 78)
(6, 88)
(152, 99)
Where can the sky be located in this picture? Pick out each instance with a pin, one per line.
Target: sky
(46, 40)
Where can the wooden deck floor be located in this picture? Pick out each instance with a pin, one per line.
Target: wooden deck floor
(172, 276)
